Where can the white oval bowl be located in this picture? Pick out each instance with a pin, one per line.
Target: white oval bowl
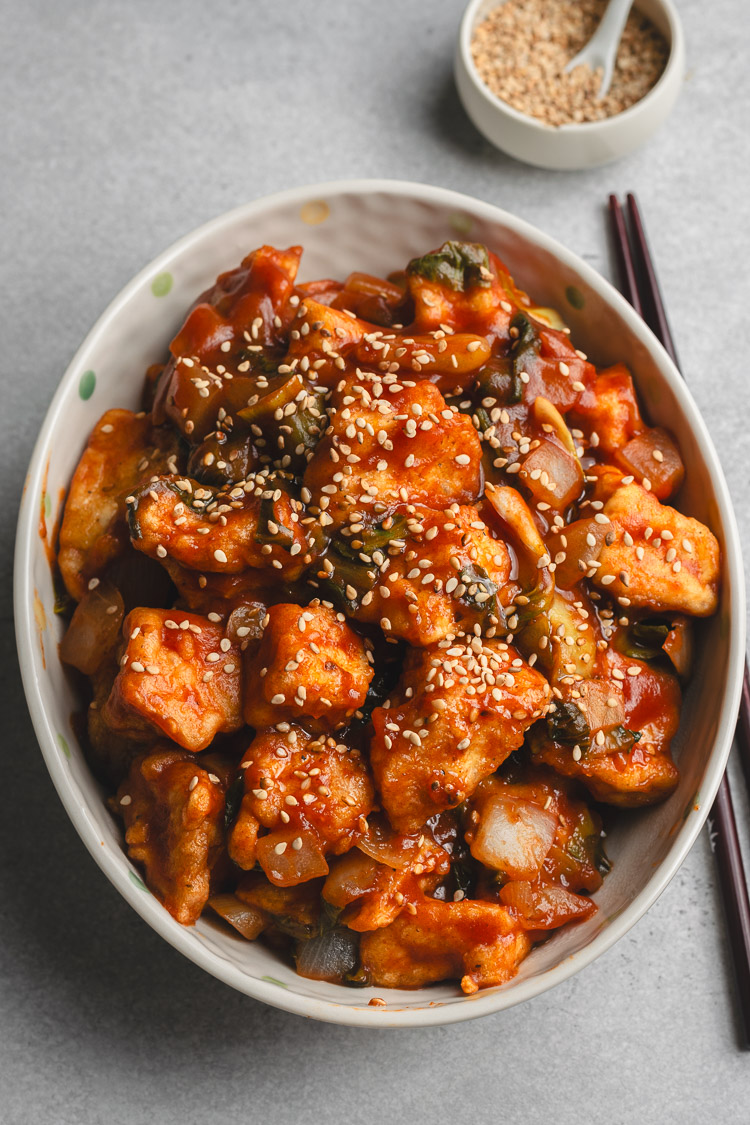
(378, 225)
(570, 147)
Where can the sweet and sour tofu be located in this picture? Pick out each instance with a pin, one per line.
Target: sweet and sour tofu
(180, 675)
(480, 942)
(417, 598)
(309, 663)
(448, 574)
(193, 526)
(303, 799)
(124, 450)
(459, 711)
(393, 443)
(657, 557)
(173, 812)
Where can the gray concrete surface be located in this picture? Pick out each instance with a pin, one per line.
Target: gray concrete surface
(126, 124)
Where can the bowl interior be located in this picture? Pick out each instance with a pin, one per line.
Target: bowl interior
(374, 227)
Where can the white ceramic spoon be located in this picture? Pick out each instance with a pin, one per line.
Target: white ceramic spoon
(601, 49)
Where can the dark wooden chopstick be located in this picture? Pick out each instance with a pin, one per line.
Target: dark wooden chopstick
(742, 734)
(651, 299)
(628, 283)
(638, 276)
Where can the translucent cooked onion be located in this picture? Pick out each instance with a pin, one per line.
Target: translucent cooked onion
(679, 645)
(552, 475)
(665, 472)
(603, 704)
(245, 623)
(382, 844)
(247, 920)
(330, 956)
(545, 908)
(94, 629)
(285, 864)
(513, 836)
(352, 876)
(584, 539)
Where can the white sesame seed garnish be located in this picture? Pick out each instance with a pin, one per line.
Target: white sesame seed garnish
(219, 555)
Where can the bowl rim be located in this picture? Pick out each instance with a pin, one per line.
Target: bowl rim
(147, 906)
(675, 59)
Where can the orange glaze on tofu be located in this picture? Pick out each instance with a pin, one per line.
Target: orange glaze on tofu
(310, 795)
(124, 450)
(179, 674)
(172, 811)
(658, 558)
(391, 442)
(310, 663)
(394, 558)
(480, 942)
(644, 701)
(448, 574)
(459, 711)
(206, 531)
(383, 875)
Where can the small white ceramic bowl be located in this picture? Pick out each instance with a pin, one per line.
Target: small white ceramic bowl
(569, 147)
(378, 226)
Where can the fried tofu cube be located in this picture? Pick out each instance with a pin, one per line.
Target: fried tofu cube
(179, 674)
(657, 557)
(309, 795)
(459, 711)
(447, 575)
(479, 942)
(326, 336)
(173, 812)
(294, 910)
(311, 663)
(224, 533)
(371, 893)
(386, 445)
(617, 769)
(609, 409)
(124, 449)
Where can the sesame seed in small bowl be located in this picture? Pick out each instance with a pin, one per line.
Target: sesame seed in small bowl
(511, 77)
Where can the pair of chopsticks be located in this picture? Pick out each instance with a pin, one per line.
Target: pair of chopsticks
(640, 286)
